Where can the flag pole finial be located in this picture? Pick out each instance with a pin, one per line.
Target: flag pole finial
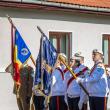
(10, 20)
(41, 31)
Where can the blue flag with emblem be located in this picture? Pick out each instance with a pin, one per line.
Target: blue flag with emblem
(22, 51)
(45, 61)
(21, 55)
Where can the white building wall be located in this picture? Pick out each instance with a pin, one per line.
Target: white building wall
(86, 31)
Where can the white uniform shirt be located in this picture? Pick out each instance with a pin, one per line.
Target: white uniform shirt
(96, 82)
(58, 87)
(83, 96)
(73, 89)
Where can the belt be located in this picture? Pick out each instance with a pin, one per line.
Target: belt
(72, 96)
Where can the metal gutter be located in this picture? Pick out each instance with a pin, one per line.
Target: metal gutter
(54, 6)
(64, 5)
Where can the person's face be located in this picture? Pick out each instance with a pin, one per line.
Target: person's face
(72, 62)
(96, 56)
(82, 60)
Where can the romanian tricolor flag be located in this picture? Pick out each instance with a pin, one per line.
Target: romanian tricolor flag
(21, 55)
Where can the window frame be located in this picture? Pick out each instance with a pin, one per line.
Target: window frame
(106, 37)
(58, 35)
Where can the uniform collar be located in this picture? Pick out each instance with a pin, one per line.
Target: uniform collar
(100, 61)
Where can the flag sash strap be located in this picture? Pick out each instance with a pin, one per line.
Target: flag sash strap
(78, 74)
(61, 72)
(73, 74)
(94, 68)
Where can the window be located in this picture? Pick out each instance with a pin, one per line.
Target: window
(62, 41)
(106, 49)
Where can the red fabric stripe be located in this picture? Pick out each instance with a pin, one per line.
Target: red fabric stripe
(105, 103)
(16, 73)
(65, 70)
(58, 103)
(92, 69)
(78, 74)
(61, 73)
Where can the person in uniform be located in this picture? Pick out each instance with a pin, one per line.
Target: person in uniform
(73, 88)
(58, 88)
(26, 84)
(84, 72)
(10, 69)
(108, 76)
(96, 83)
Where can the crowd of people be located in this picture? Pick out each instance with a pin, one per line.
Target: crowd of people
(89, 89)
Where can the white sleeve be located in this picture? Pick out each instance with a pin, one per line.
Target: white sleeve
(56, 75)
(83, 99)
(53, 80)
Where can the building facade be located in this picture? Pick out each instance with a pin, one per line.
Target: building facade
(71, 28)
(70, 31)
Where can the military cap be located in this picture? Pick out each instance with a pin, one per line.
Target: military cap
(97, 51)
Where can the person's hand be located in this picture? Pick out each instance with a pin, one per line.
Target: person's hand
(79, 80)
(46, 101)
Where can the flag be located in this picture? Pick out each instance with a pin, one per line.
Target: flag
(46, 59)
(21, 55)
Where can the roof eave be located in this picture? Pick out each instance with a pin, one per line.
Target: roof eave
(51, 6)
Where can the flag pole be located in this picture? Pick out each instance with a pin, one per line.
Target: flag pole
(41, 47)
(41, 31)
(33, 60)
(73, 74)
(11, 22)
(41, 60)
(12, 47)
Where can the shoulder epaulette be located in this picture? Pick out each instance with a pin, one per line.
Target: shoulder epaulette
(101, 65)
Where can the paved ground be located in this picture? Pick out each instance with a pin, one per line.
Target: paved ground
(7, 98)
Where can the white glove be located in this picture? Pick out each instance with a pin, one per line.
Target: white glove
(79, 80)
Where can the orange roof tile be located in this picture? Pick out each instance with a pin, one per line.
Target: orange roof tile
(90, 3)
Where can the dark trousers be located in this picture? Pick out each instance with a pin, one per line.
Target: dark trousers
(57, 103)
(73, 103)
(84, 107)
(98, 103)
(38, 102)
